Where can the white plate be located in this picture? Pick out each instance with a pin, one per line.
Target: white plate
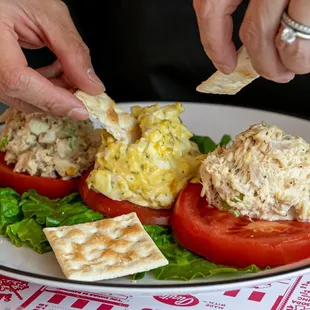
(202, 119)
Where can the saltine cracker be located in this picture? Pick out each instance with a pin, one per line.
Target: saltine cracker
(105, 249)
(222, 84)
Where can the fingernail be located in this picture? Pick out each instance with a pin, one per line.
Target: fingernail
(286, 78)
(93, 77)
(224, 69)
(78, 113)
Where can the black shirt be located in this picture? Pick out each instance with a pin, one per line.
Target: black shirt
(150, 50)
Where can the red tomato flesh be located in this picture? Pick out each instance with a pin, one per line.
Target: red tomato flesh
(112, 208)
(20, 182)
(233, 241)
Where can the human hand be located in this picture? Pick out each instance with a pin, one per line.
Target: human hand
(216, 28)
(34, 24)
(260, 33)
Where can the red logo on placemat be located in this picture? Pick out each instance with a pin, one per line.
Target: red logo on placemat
(178, 300)
(254, 296)
(5, 297)
(41, 307)
(12, 285)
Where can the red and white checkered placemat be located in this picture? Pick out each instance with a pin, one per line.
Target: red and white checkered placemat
(292, 294)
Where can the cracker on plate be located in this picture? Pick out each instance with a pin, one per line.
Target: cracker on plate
(120, 124)
(105, 249)
(222, 84)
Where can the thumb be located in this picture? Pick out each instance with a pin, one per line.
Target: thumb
(73, 54)
(216, 28)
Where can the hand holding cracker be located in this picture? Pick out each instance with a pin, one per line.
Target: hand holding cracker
(120, 124)
(222, 84)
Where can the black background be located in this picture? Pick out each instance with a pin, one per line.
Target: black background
(149, 50)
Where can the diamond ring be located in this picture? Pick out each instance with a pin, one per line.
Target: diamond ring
(293, 30)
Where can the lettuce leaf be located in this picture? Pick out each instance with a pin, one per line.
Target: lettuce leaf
(10, 212)
(4, 140)
(22, 219)
(225, 140)
(28, 232)
(207, 145)
(59, 212)
(184, 264)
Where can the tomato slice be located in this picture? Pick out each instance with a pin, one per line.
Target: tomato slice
(236, 241)
(20, 182)
(113, 208)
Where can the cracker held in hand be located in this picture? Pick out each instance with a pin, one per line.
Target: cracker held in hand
(105, 249)
(222, 84)
(120, 124)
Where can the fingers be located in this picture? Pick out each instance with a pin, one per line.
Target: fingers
(258, 33)
(21, 83)
(64, 40)
(55, 74)
(216, 28)
(30, 46)
(296, 56)
(19, 104)
(63, 82)
(28, 38)
(51, 71)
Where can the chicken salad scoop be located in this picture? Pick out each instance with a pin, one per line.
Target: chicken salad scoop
(263, 174)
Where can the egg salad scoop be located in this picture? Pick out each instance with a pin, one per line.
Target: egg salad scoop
(264, 174)
(151, 171)
(120, 124)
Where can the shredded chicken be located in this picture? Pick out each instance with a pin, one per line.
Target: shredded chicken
(264, 174)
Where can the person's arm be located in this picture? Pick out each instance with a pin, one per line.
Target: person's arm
(260, 33)
(33, 24)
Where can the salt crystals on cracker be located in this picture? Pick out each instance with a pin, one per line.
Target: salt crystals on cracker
(104, 249)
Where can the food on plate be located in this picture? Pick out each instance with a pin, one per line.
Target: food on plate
(43, 148)
(252, 203)
(21, 182)
(49, 146)
(237, 241)
(23, 217)
(151, 171)
(104, 249)
(264, 174)
(148, 216)
(238, 206)
(112, 208)
(220, 83)
(120, 124)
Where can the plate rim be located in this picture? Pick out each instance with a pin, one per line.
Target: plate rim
(186, 285)
(263, 278)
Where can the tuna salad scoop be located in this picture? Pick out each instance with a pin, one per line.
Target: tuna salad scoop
(263, 174)
(48, 146)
